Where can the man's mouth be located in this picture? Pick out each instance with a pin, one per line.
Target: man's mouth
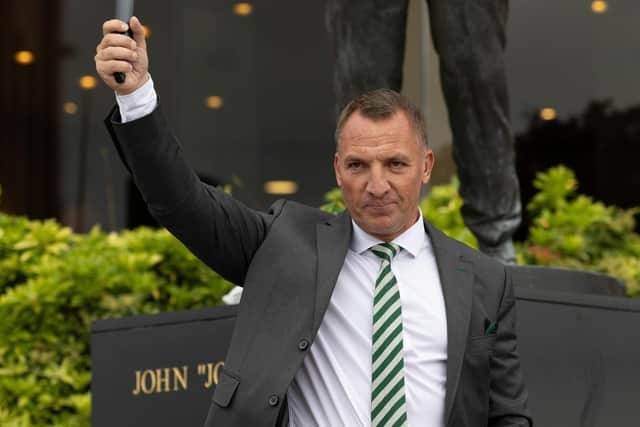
(378, 205)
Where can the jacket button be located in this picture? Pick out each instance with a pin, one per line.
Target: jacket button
(303, 345)
(273, 400)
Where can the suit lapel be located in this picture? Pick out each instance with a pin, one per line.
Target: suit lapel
(333, 239)
(456, 277)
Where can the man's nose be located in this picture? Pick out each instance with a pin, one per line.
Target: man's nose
(378, 185)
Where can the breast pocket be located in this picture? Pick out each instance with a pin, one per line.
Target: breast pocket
(481, 345)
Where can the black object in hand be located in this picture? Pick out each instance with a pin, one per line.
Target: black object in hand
(119, 76)
(124, 12)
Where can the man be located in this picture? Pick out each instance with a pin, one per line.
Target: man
(469, 36)
(372, 317)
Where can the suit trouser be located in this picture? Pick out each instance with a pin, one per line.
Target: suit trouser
(469, 36)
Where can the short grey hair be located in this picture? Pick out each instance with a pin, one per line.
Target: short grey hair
(381, 104)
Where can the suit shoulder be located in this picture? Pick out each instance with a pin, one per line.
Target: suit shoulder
(484, 263)
(288, 210)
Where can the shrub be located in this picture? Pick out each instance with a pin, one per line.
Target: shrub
(572, 230)
(442, 209)
(55, 284)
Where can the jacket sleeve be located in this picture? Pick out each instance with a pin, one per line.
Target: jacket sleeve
(507, 395)
(218, 229)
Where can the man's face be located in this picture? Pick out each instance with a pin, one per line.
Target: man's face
(380, 167)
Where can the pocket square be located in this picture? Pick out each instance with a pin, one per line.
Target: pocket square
(490, 327)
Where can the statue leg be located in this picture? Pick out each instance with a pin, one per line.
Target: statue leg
(469, 36)
(368, 44)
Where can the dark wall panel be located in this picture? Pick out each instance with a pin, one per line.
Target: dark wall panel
(28, 100)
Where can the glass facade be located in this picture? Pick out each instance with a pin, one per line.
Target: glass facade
(248, 90)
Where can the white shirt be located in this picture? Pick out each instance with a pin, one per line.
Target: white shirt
(138, 103)
(333, 386)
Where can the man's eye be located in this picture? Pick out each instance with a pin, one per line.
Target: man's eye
(395, 164)
(354, 165)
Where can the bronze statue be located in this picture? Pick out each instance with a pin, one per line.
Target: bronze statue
(469, 36)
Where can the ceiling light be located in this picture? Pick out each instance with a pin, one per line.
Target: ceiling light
(70, 107)
(548, 114)
(24, 57)
(599, 6)
(87, 82)
(242, 9)
(280, 187)
(214, 102)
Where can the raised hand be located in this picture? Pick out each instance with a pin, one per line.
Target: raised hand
(119, 53)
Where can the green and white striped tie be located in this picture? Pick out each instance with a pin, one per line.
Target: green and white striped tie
(388, 406)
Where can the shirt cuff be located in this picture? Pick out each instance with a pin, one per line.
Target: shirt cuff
(138, 103)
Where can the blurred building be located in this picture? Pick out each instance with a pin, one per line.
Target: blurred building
(248, 89)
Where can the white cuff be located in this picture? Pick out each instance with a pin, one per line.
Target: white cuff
(138, 103)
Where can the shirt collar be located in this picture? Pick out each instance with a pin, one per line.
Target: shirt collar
(412, 240)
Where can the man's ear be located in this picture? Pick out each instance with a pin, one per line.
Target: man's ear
(336, 169)
(429, 160)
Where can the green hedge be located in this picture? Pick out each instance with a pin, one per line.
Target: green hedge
(574, 231)
(54, 283)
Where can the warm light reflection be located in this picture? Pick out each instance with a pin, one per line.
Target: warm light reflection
(280, 187)
(214, 102)
(70, 107)
(599, 6)
(24, 57)
(147, 31)
(548, 114)
(242, 9)
(87, 82)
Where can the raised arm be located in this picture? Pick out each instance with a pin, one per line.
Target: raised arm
(218, 229)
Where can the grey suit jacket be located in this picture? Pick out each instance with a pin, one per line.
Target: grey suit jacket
(288, 260)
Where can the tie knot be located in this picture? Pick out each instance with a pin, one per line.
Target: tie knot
(385, 251)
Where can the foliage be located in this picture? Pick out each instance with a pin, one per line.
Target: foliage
(568, 229)
(334, 204)
(54, 283)
(442, 209)
(573, 230)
